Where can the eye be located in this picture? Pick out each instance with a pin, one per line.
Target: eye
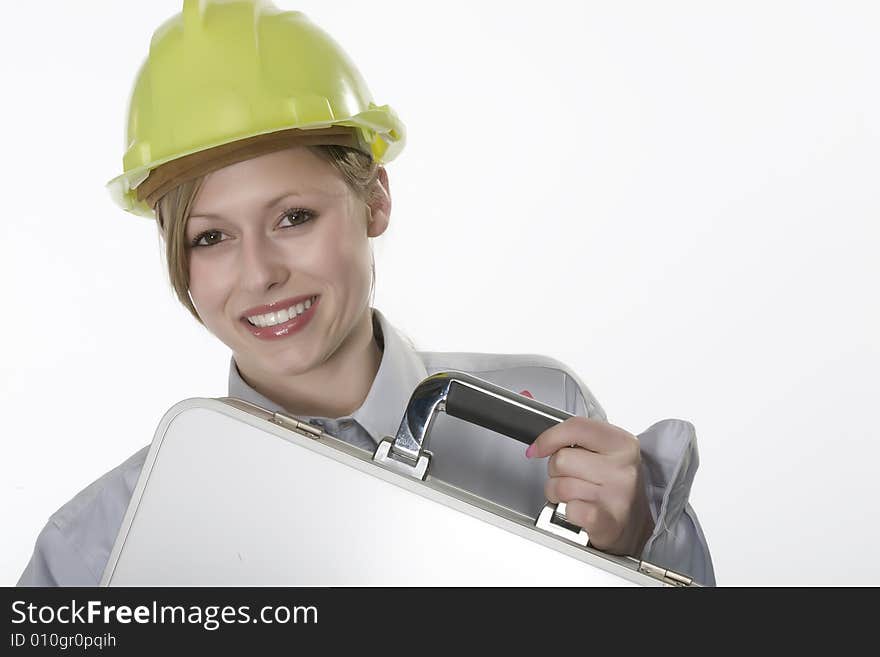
(298, 216)
(212, 237)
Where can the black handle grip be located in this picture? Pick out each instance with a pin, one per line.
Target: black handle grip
(498, 409)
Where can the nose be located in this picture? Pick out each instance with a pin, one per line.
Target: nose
(263, 263)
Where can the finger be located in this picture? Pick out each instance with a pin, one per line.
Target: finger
(579, 463)
(600, 526)
(594, 435)
(587, 515)
(567, 489)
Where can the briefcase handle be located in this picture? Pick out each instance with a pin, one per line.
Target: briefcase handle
(473, 400)
(485, 404)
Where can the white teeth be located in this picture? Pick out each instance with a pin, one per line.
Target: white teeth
(281, 316)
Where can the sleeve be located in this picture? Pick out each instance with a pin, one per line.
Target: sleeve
(56, 562)
(669, 462)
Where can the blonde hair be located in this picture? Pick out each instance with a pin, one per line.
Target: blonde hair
(359, 171)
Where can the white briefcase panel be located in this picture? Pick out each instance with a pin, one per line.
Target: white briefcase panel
(233, 494)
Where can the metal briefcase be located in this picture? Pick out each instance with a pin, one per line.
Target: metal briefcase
(233, 494)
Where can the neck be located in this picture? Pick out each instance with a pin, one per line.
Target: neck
(336, 388)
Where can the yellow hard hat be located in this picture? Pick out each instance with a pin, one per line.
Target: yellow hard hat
(223, 71)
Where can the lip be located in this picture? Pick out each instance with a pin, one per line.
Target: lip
(284, 329)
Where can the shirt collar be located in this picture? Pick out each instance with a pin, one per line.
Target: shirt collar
(400, 371)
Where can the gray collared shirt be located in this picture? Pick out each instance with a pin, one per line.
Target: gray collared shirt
(74, 546)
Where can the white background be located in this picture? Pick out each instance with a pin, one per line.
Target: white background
(677, 199)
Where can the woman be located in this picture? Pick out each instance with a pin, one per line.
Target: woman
(255, 144)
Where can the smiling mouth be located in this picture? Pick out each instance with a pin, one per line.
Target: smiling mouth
(268, 320)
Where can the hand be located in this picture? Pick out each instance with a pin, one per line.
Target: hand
(595, 468)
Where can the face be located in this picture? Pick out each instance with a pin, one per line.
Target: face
(276, 232)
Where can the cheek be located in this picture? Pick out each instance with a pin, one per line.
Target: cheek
(342, 257)
(207, 287)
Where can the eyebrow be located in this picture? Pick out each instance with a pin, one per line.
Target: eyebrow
(268, 206)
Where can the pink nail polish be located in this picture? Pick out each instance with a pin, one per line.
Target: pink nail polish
(530, 451)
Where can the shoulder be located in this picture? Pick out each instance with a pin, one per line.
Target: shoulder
(106, 489)
(547, 379)
(76, 542)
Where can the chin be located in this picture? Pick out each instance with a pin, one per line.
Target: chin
(288, 364)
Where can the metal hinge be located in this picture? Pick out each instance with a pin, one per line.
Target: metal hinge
(664, 574)
(302, 428)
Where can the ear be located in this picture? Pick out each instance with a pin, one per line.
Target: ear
(380, 206)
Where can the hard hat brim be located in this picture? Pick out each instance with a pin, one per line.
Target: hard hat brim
(377, 132)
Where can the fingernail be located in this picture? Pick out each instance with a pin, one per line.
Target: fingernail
(530, 451)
